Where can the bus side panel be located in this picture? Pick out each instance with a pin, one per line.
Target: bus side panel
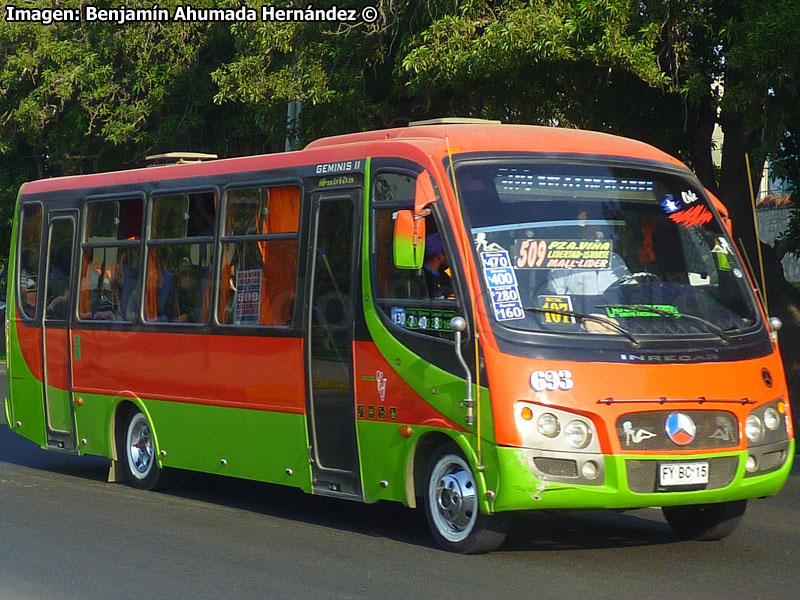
(25, 392)
(264, 373)
(211, 398)
(439, 392)
(23, 361)
(384, 403)
(252, 444)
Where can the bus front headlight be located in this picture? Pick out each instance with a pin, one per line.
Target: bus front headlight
(772, 420)
(578, 434)
(548, 425)
(754, 428)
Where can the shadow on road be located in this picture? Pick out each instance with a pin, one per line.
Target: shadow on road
(534, 531)
(17, 450)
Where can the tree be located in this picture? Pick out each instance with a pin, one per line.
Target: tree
(663, 72)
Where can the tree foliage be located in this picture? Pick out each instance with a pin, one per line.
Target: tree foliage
(79, 97)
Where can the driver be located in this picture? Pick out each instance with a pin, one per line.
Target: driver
(587, 282)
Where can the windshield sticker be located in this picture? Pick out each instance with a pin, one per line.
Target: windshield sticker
(558, 304)
(738, 273)
(562, 254)
(721, 250)
(670, 205)
(502, 284)
(422, 319)
(722, 246)
(686, 211)
(641, 311)
(483, 245)
(691, 217)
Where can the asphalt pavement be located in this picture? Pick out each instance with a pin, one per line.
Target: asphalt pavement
(66, 533)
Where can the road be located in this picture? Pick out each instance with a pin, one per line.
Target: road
(65, 533)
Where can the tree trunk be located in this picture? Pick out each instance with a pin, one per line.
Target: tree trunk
(699, 134)
(734, 186)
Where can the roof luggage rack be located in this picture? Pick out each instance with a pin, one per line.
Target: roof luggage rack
(453, 121)
(177, 158)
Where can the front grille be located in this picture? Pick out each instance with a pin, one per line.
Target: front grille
(647, 430)
(643, 474)
(557, 467)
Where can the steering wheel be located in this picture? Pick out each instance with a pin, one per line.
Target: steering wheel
(634, 278)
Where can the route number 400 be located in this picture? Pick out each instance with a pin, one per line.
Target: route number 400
(551, 380)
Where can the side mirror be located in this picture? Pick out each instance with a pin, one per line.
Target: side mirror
(409, 240)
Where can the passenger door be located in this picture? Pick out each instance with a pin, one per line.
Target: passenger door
(58, 303)
(331, 404)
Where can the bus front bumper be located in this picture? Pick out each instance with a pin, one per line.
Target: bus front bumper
(530, 480)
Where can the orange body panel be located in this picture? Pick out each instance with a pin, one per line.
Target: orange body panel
(595, 383)
(378, 386)
(57, 354)
(263, 373)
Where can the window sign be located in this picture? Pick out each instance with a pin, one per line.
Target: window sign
(248, 297)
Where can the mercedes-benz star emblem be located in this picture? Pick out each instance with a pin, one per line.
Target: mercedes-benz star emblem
(680, 428)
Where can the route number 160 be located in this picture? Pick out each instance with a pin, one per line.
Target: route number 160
(551, 380)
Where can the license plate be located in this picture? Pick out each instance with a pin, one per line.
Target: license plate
(674, 474)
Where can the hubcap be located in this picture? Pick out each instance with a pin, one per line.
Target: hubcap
(140, 447)
(453, 502)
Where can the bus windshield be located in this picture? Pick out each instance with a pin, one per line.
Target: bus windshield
(601, 249)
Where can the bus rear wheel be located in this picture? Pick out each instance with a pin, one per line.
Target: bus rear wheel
(451, 506)
(705, 521)
(138, 456)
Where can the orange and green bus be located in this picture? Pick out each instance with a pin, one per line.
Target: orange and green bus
(467, 317)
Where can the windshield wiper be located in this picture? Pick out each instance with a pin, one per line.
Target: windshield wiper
(666, 313)
(596, 318)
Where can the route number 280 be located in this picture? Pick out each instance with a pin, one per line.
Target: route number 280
(551, 380)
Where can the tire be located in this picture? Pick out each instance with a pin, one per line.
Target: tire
(137, 453)
(705, 521)
(451, 506)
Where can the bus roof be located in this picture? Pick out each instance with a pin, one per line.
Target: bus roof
(434, 138)
(493, 136)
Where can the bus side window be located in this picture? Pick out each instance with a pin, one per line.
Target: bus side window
(30, 249)
(180, 253)
(110, 262)
(258, 272)
(421, 300)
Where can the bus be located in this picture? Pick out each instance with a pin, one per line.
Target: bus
(467, 317)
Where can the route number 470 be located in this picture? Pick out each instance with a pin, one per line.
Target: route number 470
(551, 380)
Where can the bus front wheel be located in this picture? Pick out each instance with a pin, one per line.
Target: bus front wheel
(705, 521)
(451, 506)
(137, 453)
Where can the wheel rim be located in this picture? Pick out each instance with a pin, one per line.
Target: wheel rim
(451, 498)
(139, 447)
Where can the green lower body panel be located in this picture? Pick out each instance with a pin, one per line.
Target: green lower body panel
(7, 406)
(59, 414)
(251, 444)
(520, 489)
(386, 461)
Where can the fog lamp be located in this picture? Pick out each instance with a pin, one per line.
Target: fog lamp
(751, 465)
(589, 469)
